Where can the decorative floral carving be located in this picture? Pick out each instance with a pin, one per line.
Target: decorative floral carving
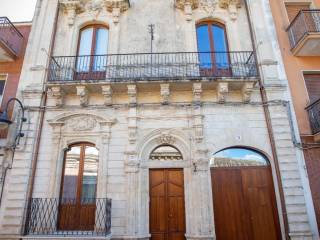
(72, 8)
(116, 7)
(107, 93)
(82, 123)
(208, 6)
(166, 138)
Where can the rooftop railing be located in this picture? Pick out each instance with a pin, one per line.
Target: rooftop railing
(10, 36)
(306, 22)
(154, 66)
(68, 217)
(314, 116)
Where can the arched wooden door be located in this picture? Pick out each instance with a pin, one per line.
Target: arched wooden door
(243, 196)
(77, 205)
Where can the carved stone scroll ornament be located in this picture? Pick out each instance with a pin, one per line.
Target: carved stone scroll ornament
(247, 91)
(116, 7)
(165, 93)
(187, 6)
(83, 94)
(72, 8)
(58, 94)
(81, 123)
(166, 139)
(222, 90)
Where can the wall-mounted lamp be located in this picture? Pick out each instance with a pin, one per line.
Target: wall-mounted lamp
(5, 121)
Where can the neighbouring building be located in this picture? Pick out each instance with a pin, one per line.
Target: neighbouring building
(13, 42)
(298, 28)
(154, 119)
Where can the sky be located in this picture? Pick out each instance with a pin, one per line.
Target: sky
(17, 10)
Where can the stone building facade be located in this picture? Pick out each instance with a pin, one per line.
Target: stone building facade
(126, 105)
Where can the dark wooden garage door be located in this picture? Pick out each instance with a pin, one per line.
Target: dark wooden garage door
(167, 209)
(244, 203)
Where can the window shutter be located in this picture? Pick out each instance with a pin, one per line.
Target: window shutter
(293, 9)
(313, 86)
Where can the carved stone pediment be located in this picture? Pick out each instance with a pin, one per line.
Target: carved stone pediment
(80, 122)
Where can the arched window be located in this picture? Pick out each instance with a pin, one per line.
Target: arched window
(165, 153)
(92, 48)
(212, 47)
(237, 157)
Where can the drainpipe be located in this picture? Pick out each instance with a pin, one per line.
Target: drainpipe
(42, 114)
(269, 127)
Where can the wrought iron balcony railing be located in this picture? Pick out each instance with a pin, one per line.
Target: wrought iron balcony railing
(10, 36)
(314, 116)
(306, 22)
(154, 66)
(52, 216)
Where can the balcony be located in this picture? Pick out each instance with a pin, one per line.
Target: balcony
(11, 40)
(314, 116)
(67, 217)
(153, 67)
(304, 33)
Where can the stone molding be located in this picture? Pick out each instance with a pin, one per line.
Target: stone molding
(132, 94)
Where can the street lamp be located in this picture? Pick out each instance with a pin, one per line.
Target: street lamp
(5, 121)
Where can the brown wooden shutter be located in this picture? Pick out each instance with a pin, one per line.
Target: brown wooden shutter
(313, 86)
(293, 9)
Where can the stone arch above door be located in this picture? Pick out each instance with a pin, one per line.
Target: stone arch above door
(170, 137)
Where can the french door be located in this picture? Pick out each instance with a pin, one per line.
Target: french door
(91, 60)
(214, 57)
(78, 190)
(167, 209)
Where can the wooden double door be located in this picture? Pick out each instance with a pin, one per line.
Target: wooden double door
(167, 208)
(244, 203)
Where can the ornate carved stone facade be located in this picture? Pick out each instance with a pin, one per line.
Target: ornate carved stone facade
(127, 118)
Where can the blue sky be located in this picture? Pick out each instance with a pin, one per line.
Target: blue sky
(17, 10)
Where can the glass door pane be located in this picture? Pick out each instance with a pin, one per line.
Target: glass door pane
(71, 174)
(84, 52)
(220, 47)
(90, 172)
(101, 49)
(204, 47)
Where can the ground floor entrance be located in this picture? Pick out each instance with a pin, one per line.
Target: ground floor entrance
(167, 207)
(244, 203)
